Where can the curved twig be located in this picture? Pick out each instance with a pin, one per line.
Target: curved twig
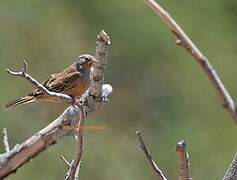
(154, 166)
(186, 42)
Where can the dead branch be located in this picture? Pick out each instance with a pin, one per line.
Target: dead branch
(154, 166)
(185, 42)
(20, 154)
(183, 158)
(231, 173)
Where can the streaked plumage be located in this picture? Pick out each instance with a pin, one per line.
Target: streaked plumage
(73, 81)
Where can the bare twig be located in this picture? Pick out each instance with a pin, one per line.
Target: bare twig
(183, 158)
(231, 173)
(73, 172)
(185, 42)
(65, 161)
(154, 166)
(20, 154)
(34, 82)
(5, 140)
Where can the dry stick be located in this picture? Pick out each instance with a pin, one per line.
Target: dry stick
(20, 154)
(185, 41)
(183, 158)
(5, 140)
(74, 169)
(65, 161)
(34, 82)
(231, 173)
(154, 166)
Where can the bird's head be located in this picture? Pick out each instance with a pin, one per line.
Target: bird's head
(85, 61)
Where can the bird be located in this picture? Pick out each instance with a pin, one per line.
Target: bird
(73, 81)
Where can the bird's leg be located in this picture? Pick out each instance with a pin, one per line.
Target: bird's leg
(79, 104)
(82, 109)
(74, 102)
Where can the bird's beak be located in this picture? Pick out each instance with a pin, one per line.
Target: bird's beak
(95, 61)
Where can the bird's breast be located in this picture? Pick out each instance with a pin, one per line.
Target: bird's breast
(80, 88)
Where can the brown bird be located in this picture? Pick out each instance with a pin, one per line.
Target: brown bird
(73, 81)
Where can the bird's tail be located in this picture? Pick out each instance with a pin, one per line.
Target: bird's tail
(23, 100)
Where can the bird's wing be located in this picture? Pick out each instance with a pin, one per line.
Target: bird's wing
(60, 82)
(63, 82)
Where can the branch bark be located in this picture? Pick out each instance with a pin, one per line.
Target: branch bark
(231, 173)
(20, 154)
(186, 42)
(93, 101)
(183, 158)
(153, 164)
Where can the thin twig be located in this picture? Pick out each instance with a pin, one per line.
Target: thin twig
(73, 172)
(154, 166)
(34, 82)
(231, 173)
(5, 140)
(185, 42)
(65, 161)
(184, 163)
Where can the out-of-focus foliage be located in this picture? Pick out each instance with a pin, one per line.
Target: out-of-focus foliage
(158, 88)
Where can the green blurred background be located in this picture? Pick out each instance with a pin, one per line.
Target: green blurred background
(158, 88)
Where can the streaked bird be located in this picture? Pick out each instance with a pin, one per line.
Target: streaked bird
(73, 81)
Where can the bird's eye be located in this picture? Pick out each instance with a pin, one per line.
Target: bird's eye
(86, 58)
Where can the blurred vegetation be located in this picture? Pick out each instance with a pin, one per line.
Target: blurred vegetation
(158, 88)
